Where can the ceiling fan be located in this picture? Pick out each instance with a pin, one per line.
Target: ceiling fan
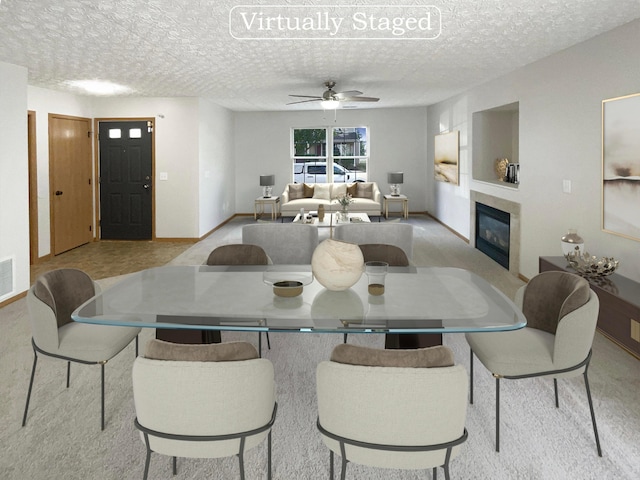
(331, 99)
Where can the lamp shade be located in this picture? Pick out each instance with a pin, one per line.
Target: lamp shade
(395, 177)
(267, 180)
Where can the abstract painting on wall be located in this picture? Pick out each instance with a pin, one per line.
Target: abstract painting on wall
(447, 148)
(621, 166)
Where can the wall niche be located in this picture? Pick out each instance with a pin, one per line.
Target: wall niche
(496, 136)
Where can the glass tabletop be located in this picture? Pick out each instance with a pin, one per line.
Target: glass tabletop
(416, 300)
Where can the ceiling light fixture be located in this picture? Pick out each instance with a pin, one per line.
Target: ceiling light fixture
(330, 104)
(98, 87)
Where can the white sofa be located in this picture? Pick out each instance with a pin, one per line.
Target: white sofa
(366, 197)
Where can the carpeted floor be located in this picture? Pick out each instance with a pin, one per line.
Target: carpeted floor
(62, 438)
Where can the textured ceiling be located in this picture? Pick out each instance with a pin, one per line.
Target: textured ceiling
(166, 48)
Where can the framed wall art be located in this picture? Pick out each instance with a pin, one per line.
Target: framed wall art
(621, 166)
(446, 158)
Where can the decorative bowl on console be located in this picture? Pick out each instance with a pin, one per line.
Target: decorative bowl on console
(591, 266)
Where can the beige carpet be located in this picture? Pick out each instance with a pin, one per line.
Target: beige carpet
(62, 438)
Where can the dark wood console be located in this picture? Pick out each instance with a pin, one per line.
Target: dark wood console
(619, 317)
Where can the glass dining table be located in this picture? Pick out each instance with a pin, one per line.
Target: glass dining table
(416, 300)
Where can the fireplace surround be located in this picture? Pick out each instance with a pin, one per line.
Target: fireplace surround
(513, 209)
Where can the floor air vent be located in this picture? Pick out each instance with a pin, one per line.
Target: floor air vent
(6, 277)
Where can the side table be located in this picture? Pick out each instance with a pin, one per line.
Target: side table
(396, 198)
(260, 202)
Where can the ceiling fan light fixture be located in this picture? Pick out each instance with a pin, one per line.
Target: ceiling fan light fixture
(330, 104)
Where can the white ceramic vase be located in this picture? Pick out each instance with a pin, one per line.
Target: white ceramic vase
(337, 265)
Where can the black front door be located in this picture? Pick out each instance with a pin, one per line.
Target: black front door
(125, 181)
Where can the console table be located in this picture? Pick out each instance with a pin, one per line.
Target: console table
(619, 318)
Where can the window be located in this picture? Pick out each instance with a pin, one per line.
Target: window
(344, 147)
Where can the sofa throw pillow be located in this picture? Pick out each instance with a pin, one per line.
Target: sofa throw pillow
(338, 190)
(308, 191)
(322, 191)
(208, 352)
(296, 190)
(352, 189)
(365, 190)
(430, 357)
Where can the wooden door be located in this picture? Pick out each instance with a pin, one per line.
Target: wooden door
(70, 182)
(125, 180)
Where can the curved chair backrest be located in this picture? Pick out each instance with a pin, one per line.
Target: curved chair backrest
(52, 299)
(203, 398)
(398, 234)
(381, 252)
(564, 305)
(288, 243)
(392, 406)
(238, 254)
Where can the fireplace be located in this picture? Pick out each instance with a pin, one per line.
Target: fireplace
(493, 233)
(512, 210)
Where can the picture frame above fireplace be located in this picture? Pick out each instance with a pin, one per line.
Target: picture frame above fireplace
(446, 157)
(621, 166)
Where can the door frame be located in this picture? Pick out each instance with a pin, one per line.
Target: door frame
(96, 167)
(33, 188)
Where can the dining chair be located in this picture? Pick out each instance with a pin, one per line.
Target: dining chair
(284, 243)
(50, 302)
(562, 313)
(203, 401)
(398, 234)
(403, 409)
(240, 254)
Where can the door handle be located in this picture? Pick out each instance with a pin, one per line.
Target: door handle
(58, 192)
(146, 186)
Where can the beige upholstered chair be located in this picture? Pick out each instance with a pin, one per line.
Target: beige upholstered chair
(398, 234)
(392, 408)
(50, 301)
(240, 254)
(203, 401)
(562, 313)
(284, 243)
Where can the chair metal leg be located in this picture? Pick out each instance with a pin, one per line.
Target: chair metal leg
(241, 458)
(102, 395)
(136, 346)
(148, 457)
(68, 373)
(497, 414)
(345, 338)
(593, 415)
(174, 466)
(471, 376)
(260, 344)
(268, 341)
(343, 471)
(435, 473)
(33, 373)
(555, 388)
(330, 464)
(269, 456)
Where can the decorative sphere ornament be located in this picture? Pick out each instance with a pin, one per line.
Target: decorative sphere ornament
(337, 265)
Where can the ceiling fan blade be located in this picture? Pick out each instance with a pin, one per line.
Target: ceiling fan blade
(305, 101)
(349, 93)
(359, 99)
(307, 96)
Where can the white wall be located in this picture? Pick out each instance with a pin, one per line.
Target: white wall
(44, 102)
(216, 170)
(397, 143)
(14, 176)
(560, 100)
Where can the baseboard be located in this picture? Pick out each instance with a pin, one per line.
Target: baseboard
(15, 298)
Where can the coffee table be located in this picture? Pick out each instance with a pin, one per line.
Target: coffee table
(335, 218)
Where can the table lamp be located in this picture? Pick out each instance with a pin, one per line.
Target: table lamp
(267, 181)
(395, 179)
